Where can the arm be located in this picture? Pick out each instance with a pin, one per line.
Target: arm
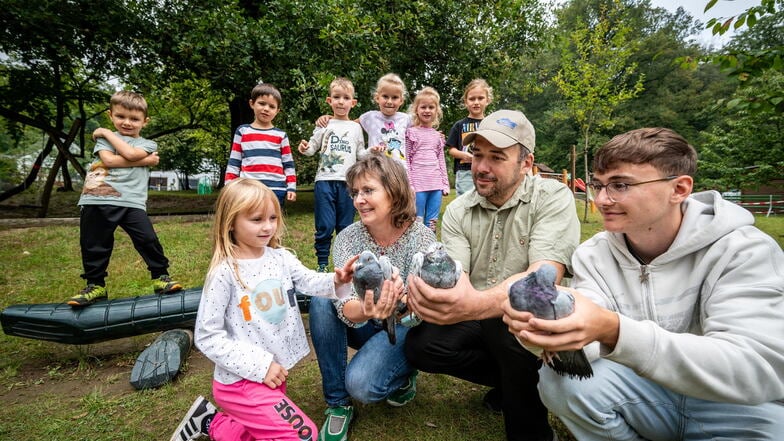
(131, 154)
(287, 160)
(454, 144)
(442, 167)
(112, 160)
(234, 165)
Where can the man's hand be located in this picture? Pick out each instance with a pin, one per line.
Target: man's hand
(276, 375)
(448, 306)
(588, 323)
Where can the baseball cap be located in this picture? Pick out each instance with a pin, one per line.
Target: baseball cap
(505, 128)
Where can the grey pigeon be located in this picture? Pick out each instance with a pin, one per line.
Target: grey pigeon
(537, 294)
(435, 267)
(370, 272)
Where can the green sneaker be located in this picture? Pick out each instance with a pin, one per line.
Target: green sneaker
(405, 394)
(336, 426)
(322, 268)
(89, 295)
(165, 285)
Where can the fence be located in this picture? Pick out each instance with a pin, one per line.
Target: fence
(770, 204)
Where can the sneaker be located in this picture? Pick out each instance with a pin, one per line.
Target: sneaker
(336, 426)
(405, 394)
(89, 295)
(165, 285)
(322, 268)
(196, 422)
(492, 401)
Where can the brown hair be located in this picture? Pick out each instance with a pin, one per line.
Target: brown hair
(663, 148)
(478, 83)
(266, 89)
(129, 100)
(238, 196)
(393, 177)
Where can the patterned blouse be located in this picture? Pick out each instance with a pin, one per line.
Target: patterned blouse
(356, 238)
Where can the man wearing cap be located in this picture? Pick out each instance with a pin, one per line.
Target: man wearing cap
(510, 224)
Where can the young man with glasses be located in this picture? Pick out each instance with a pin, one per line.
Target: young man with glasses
(680, 303)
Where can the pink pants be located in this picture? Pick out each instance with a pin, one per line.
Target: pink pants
(253, 411)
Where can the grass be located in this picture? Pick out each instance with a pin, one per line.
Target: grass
(60, 392)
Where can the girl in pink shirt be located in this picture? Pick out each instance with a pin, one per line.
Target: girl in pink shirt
(425, 156)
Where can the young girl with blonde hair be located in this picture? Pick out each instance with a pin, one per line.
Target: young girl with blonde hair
(248, 322)
(477, 95)
(425, 148)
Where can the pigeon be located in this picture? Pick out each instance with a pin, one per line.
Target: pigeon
(437, 269)
(370, 272)
(536, 293)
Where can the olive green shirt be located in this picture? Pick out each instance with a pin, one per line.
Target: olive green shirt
(539, 222)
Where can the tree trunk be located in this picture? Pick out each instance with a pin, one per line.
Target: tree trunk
(46, 195)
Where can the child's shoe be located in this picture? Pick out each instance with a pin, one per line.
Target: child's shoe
(322, 268)
(89, 295)
(196, 422)
(165, 285)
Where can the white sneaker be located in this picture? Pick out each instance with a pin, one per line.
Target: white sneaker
(193, 422)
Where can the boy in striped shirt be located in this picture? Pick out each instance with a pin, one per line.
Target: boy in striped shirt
(261, 151)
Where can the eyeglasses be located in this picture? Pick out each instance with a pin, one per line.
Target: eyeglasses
(617, 191)
(366, 193)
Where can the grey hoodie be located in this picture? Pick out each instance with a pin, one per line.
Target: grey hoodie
(704, 319)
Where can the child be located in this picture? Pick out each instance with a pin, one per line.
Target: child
(261, 151)
(425, 148)
(115, 194)
(476, 97)
(340, 144)
(248, 322)
(386, 127)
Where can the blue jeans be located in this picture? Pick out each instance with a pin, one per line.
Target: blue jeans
(376, 370)
(617, 404)
(334, 212)
(428, 206)
(281, 195)
(464, 182)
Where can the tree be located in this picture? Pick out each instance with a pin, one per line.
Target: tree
(752, 54)
(595, 75)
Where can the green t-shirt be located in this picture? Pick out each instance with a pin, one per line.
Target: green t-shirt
(123, 187)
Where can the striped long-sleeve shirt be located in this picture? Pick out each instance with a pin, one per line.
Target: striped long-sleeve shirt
(263, 155)
(425, 156)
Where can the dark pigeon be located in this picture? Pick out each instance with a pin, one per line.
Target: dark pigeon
(370, 272)
(536, 293)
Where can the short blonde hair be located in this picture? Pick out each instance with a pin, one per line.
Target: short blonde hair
(239, 196)
(129, 100)
(394, 80)
(343, 83)
(426, 93)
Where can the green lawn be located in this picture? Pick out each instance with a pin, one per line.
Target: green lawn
(60, 392)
